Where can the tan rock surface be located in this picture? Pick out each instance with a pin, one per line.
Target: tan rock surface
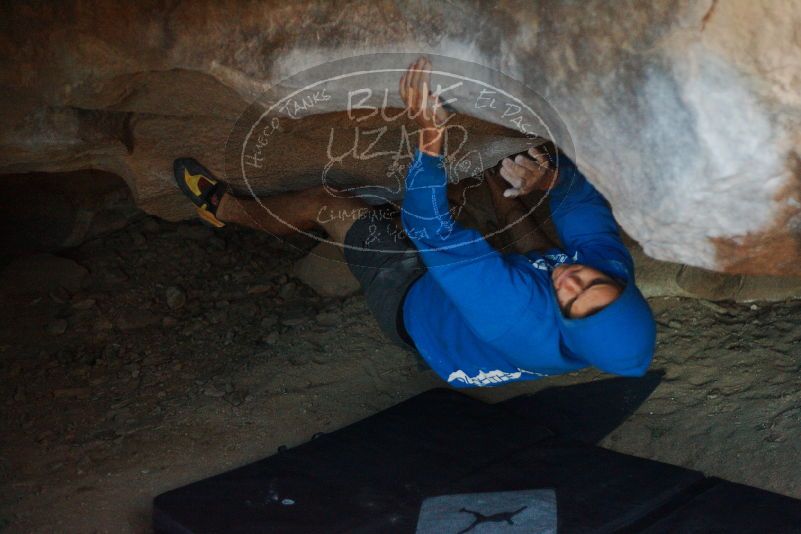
(684, 114)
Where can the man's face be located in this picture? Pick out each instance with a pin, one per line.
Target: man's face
(582, 290)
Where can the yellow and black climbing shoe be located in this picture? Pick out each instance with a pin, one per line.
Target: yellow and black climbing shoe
(201, 187)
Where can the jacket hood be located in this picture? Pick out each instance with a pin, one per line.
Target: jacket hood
(619, 339)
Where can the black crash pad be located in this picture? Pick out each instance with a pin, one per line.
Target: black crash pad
(374, 475)
(727, 507)
(597, 490)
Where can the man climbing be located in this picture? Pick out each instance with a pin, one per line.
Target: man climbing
(477, 316)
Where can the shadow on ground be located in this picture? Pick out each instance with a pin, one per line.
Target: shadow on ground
(586, 412)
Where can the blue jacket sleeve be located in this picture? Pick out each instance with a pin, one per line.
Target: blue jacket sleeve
(489, 291)
(585, 223)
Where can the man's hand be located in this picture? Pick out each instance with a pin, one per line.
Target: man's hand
(527, 174)
(423, 107)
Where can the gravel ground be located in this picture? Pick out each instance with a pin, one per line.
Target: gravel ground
(185, 352)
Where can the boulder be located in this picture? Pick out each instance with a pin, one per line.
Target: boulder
(324, 269)
(770, 288)
(685, 115)
(708, 285)
(666, 279)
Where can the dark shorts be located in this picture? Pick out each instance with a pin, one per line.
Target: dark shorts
(386, 264)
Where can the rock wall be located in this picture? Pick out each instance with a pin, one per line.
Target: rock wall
(685, 114)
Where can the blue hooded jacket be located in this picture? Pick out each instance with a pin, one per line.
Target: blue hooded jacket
(483, 318)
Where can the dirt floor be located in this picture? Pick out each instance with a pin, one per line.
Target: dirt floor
(189, 352)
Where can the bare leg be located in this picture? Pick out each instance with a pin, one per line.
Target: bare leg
(286, 213)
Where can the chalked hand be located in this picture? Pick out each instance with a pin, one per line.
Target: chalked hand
(423, 106)
(525, 174)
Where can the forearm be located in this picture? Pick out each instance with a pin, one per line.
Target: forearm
(430, 141)
(427, 218)
(579, 212)
(426, 213)
(584, 219)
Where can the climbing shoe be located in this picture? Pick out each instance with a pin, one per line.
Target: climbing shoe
(201, 187)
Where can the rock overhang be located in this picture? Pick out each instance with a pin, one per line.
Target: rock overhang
(684, 115)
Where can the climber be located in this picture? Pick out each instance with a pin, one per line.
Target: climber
(477, 316)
